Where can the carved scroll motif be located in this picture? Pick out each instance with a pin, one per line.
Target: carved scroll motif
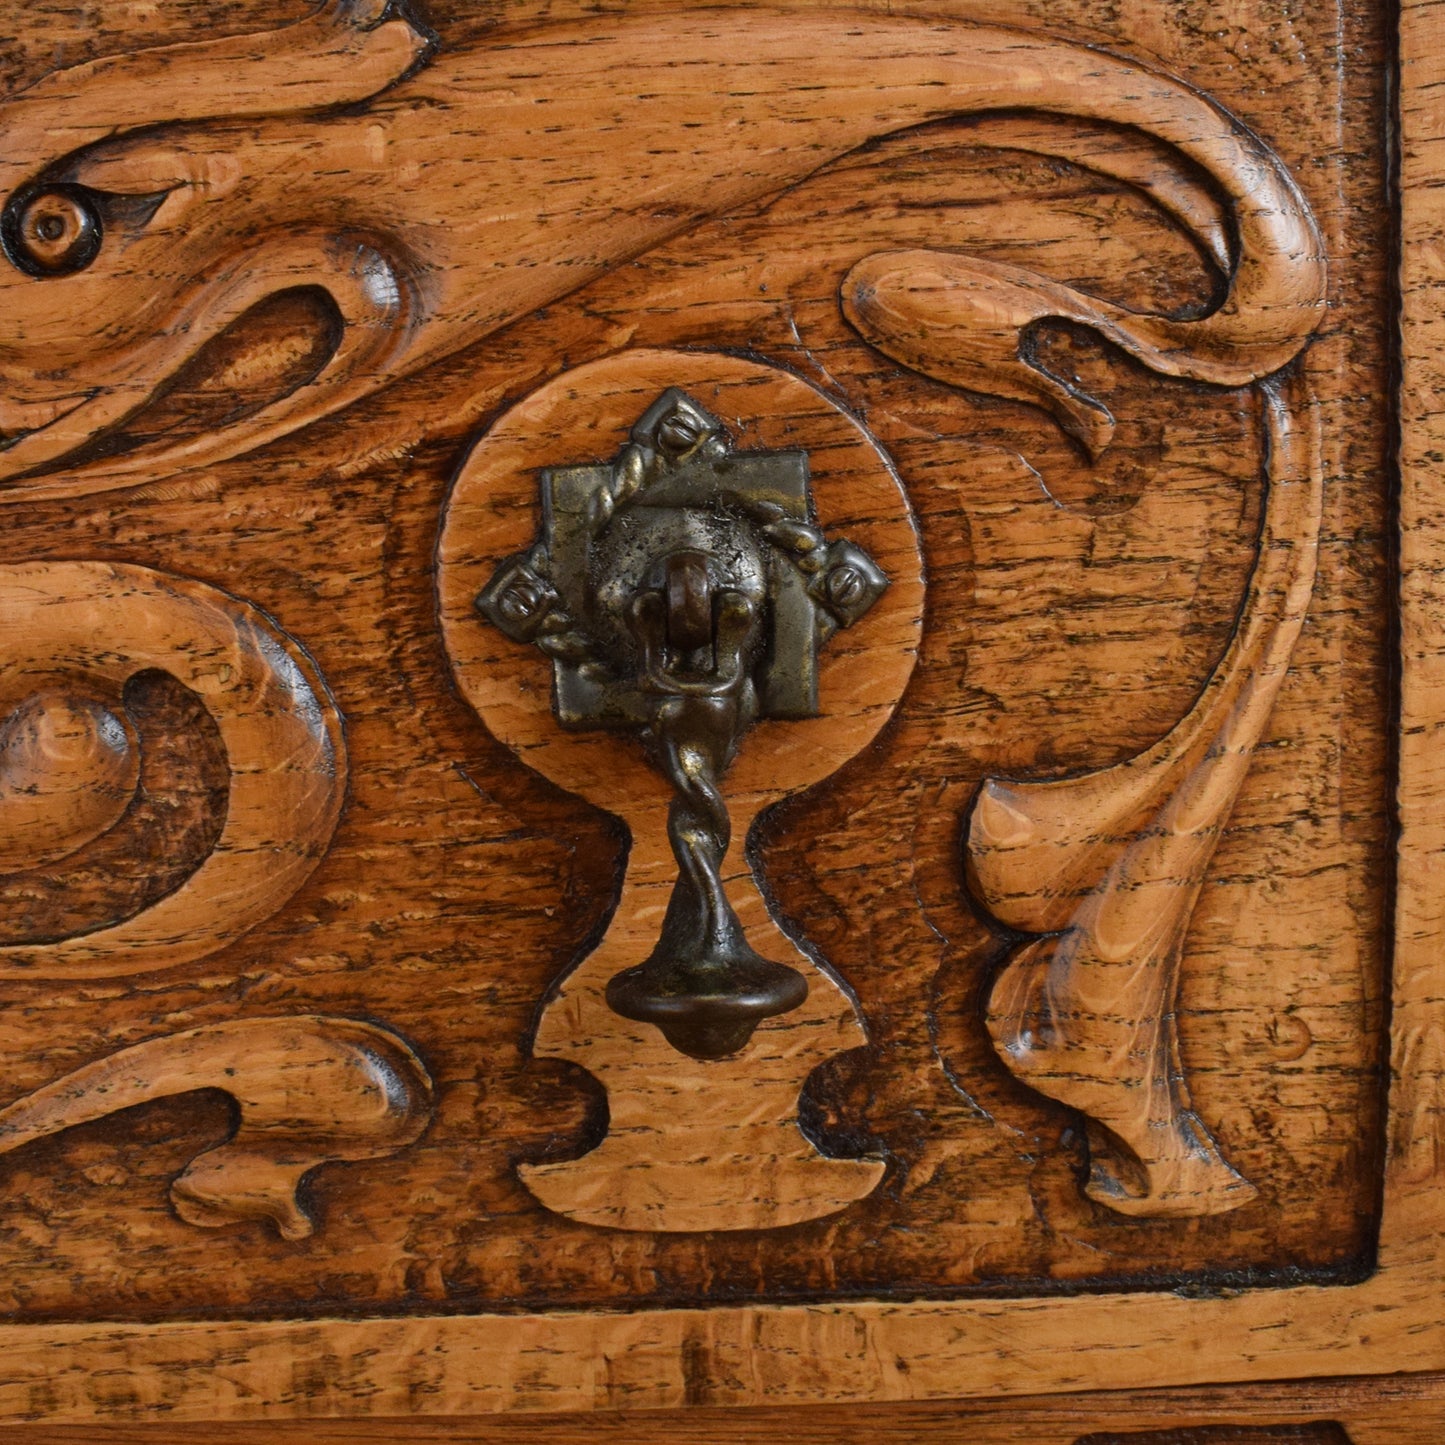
(69, 766)
(75, 633)
(130, 167)
(79, 224)
(309, 1090)
(1108, 867)
(1104, 871)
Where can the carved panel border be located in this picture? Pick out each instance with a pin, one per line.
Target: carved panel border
(875, 1351)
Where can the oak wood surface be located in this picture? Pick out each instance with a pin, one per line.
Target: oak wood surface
(1074, 606)
(691, 1145)
(1394, 1410)
(1129, 589)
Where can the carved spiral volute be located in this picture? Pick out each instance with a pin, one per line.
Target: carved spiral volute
(85, 642)
(69, 766)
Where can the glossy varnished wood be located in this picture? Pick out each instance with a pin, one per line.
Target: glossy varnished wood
(1160, 589)
(974, 690)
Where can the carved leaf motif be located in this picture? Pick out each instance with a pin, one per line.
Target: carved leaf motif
(1108, 867)
(416, 279)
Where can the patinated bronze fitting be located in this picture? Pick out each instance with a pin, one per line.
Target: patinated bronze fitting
(684, 590)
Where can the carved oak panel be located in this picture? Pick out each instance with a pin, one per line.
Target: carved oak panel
(535, 534)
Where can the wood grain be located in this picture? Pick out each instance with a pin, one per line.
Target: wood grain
(1398, 1410)
(1104, 871)
(1074, 611)
(433, 907)
(68, 773)
(1417, 1161)
(1328, 1434)
(416, 271)
(307, 1091)
(173, 817)
(104, 624)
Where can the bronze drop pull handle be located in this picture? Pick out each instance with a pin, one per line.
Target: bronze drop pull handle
(684, 590)
(703, 985)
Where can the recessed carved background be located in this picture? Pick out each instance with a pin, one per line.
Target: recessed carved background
(1072, 614)
(1227, 1435)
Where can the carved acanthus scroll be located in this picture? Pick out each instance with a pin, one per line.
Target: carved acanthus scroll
(65, 225)
(114, 170)
(1105, 870)
(310, 1089)
(146, 181)
(969, 321)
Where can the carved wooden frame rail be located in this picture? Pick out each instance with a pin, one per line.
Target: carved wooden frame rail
(871, 1351)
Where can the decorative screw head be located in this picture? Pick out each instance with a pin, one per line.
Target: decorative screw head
(678, 427)
(845, 586)
(678, 433)
(849, 583)
(520, 601)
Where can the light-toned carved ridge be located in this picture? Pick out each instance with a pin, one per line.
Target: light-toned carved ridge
(417, 272)
(309, 1089)
(69, 766)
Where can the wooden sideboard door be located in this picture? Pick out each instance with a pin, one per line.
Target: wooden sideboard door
(723, 709)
